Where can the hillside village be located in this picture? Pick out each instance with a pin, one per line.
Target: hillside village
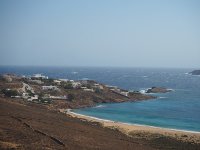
(63, 93)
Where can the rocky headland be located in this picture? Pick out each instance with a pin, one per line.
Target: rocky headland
(158, 90)
(195, 72)
(64, 93)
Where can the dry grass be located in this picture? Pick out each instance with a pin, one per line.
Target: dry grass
(8, 145)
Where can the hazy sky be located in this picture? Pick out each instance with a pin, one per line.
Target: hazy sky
(142, 33)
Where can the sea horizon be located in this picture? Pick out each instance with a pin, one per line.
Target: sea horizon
(119, 67)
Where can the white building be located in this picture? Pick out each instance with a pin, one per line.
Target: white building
(83, 87)
(125, 93)
(51, 87)
(64, 80)
(88, 90)
(35, 97)
(36, 81)
(58, 82)
(76, 84)
(7, 78)
(39, 76)
(25, 95)
(58, 97)
(96, 85)
(111, 87)
(116, 90)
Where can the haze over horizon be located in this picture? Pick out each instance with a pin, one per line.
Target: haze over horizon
(100, 33)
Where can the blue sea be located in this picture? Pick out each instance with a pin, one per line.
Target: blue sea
(179, 109)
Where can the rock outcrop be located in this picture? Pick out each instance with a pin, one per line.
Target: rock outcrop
(195, 72)
(158, 90)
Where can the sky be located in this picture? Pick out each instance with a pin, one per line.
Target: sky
(142, 33)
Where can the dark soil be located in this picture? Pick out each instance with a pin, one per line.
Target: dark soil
(36, 127)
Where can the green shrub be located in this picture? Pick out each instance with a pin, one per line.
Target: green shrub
(9, 93)
(67, 85)
(70, 97)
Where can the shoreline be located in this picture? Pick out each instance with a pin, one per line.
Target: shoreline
(134, 124)
(144, 131)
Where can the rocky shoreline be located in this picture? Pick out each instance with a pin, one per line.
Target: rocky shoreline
(158, 90)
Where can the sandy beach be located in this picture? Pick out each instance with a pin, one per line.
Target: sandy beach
(140, 131)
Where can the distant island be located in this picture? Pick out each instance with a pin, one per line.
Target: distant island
(195, 72)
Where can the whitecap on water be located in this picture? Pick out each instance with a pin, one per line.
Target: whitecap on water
(162, 97)
(143, 91)
(99, 106)
(145, 76)
(74, 72)
(171, 90)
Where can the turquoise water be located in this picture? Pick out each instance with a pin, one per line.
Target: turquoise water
(171, 110)
(179, 109)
